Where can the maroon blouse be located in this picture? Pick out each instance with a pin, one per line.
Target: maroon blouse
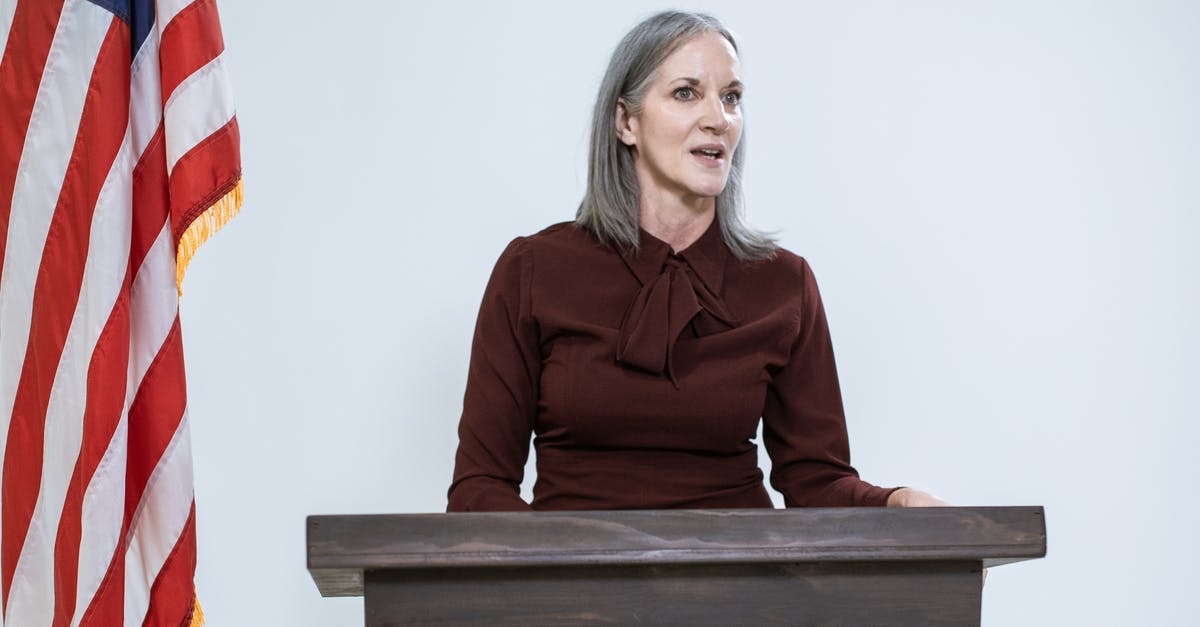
(643, 378)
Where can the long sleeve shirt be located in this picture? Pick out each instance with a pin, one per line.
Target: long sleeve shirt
(642, 379)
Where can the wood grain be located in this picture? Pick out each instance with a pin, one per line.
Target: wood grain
(342, 548)
(835, 594)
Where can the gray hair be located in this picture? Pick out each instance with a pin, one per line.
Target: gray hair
(610, 207)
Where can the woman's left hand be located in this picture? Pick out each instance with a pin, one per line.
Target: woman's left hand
(908, 497)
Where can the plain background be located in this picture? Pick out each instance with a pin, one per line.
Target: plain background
(999, 200)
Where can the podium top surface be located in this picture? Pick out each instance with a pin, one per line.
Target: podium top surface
(341, 548)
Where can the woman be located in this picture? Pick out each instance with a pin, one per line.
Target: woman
(642, 343)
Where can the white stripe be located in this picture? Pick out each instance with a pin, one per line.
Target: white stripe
(155, 303)
(166, 10)
(8, 8)
(53, 125)
(201, 104)
(102, 515)
(145, 99)
(158, 522)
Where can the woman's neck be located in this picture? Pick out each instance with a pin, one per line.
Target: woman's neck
(676, 222)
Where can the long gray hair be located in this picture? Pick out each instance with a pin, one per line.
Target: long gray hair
(610, 207)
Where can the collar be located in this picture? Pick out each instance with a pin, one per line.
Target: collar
(706, 256)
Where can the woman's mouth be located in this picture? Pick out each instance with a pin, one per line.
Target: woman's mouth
(709, 156)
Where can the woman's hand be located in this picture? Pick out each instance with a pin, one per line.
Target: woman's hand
(908, 497)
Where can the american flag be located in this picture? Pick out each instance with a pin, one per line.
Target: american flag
(118, 157)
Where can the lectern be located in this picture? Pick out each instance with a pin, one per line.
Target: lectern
(836, 566)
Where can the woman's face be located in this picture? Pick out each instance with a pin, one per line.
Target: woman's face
(690, 122)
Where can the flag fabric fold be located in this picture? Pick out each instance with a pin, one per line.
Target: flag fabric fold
(119, 157)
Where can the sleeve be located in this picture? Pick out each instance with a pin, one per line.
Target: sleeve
(501, 398)
(804, 424)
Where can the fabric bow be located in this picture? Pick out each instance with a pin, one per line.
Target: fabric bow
(662, 309)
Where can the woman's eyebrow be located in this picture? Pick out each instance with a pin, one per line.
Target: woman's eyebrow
(695, 81)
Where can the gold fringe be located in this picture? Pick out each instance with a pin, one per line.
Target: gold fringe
(197, 613)
(203, 227)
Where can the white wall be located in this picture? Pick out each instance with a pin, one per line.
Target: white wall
(999, 199)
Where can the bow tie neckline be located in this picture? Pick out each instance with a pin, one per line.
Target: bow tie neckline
(678, 290)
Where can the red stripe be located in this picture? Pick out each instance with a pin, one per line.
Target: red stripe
(102, 127)
(24, 60)
(154, 416)
(203, 175)
(173, 596)
(150, 199)
(190, 40)
(107, 374)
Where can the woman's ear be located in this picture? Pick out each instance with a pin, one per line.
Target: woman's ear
(626, 124)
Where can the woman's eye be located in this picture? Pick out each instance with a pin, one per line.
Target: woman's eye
(733, 98)
(684, 93)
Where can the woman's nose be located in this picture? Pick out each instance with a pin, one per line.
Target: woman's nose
(715, 119)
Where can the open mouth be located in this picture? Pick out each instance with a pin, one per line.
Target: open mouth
(710, 155)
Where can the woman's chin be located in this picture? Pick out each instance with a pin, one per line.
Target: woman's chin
(707, 187)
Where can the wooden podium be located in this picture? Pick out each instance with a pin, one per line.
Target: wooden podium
(839, 566)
